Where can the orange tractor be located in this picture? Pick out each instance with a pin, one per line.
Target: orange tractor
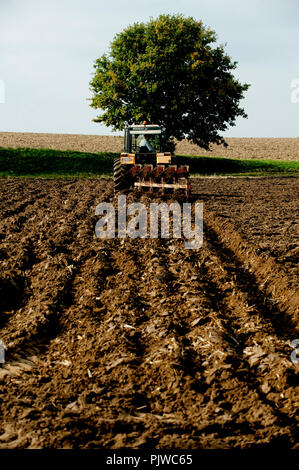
(144, 166)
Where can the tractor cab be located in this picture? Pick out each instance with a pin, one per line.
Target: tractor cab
(143, 139)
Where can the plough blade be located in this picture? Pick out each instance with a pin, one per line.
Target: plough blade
(161, 178)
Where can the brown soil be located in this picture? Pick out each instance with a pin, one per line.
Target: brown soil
(142, 343)
(250, 148)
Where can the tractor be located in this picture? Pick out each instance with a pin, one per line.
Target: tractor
(144, 166)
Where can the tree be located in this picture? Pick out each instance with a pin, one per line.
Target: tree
(166, 71)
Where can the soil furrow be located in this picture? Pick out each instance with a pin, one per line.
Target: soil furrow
(141, 342)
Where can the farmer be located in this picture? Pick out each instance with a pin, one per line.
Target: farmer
(145, 145)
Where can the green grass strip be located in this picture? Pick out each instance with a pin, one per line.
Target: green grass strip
(222, 166)
(47, 163)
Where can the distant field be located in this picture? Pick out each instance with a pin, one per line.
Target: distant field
(249, 148)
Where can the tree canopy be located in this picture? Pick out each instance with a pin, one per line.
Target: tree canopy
(168, 71)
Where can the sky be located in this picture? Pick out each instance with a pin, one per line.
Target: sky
(48, 48)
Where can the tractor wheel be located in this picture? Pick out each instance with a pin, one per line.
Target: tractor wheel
(119, 174)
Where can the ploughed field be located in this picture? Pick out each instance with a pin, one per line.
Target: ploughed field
(142, 342)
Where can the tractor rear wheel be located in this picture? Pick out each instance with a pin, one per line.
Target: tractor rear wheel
(119, 176)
